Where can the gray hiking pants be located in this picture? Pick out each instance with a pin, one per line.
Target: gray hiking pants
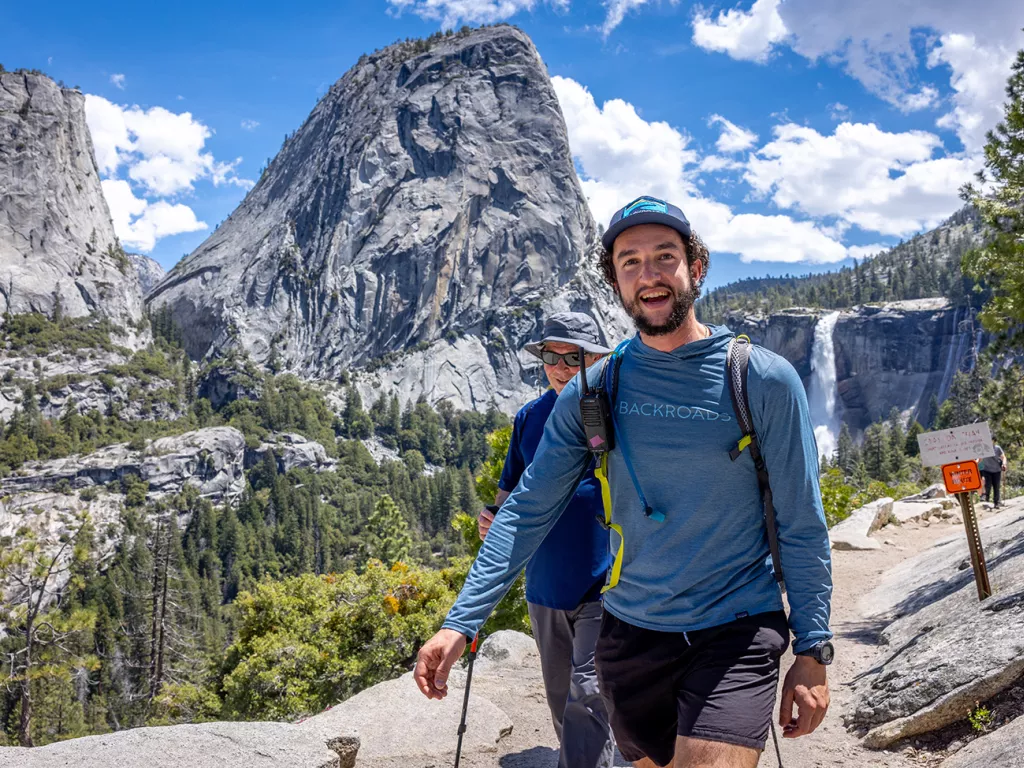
(566, 641)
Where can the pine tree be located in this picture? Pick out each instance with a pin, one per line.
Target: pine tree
(1000, 263)
(357, 422)
(32, 569)
(388, 537)
(897, 440)
(846, 451)
(912, 448)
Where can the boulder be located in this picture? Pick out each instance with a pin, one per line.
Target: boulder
(224, 745)
(904, 510)
(945, 650)
(1003, 748)
(852, 533)
(508, 648)
(292, 451)
(395, 721)
(937, 491)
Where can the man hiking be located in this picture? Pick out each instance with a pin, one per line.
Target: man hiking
(565, 575)
(693, 629)
(992, 469)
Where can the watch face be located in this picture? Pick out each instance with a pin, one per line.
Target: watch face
(827, 653)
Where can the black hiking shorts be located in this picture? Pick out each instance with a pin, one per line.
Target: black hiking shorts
(717, 684)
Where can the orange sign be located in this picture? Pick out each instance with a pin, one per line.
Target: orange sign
(961, 477)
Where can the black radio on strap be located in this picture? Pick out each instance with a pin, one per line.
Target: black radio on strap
(737, 363)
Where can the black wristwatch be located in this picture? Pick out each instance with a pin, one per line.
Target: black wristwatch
(823, 652)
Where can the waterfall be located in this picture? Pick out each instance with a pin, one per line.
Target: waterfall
(955, 355)
(822, 393)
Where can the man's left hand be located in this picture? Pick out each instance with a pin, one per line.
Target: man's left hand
(806, 685)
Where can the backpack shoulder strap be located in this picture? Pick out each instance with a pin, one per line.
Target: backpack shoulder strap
(737, 365)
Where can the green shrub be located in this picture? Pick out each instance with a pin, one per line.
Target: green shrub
(310, 641)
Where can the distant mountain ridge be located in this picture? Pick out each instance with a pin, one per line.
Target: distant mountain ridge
(926, 266)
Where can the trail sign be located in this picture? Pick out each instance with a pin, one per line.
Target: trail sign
(949, 446)
(961, 477)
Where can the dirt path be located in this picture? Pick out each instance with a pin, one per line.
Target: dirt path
(532, 744)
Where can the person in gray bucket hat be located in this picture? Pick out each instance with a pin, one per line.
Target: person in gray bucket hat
(565, 576)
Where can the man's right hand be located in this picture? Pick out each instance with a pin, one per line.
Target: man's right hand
(483, 523)
(436, 659)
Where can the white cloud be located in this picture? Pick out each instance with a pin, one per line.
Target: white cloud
(139, 223)
(733, 138)
(862, 252)
(914, 102)
(453, 12)
(877, 41)
(716, 163)
(117, 81)
(839, 111)
(109, 132)
(162, 154)
(979, 82)
(742, 34)
(250, 125)
(622, 156)
(883, 182)
(616, 11)
(162, 150)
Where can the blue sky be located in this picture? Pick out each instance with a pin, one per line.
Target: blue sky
(796, 134)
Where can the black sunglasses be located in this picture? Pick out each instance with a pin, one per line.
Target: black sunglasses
(572, 359)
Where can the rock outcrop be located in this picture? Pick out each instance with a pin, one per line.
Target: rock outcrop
(430, 204)
(897, 354)
(210, 459)
(1003, 749)
(292, 451)
(226, 745)
(57, 241)
(945, 650)
(149, 271)
(396, 722)
(853, 532)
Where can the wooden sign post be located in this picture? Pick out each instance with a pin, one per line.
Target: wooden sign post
(956, 451)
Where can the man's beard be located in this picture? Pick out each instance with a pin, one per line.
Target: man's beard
(682, 303)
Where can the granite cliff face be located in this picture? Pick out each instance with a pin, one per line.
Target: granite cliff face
(896, 354)
(429, 204)
(56, 237)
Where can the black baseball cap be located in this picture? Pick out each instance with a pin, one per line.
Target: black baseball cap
(646, 210)
(571, 328)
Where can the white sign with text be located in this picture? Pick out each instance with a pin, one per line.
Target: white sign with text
(947, 446)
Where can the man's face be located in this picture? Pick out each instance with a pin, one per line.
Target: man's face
(561, 374)
(654, 282)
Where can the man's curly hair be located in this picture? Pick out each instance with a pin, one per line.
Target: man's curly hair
(696, 250)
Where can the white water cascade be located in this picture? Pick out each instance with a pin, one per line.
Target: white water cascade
(822, 395)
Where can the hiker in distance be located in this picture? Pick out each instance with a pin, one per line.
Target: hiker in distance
(565, 575)
(693, 626)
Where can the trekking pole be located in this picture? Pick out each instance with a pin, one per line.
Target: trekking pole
(778, 753)
(465, 699)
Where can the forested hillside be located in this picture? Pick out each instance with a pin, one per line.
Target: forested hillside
(147, 628)
(926, 266)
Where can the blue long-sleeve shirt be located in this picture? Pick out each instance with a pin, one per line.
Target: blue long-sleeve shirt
(708, 561)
